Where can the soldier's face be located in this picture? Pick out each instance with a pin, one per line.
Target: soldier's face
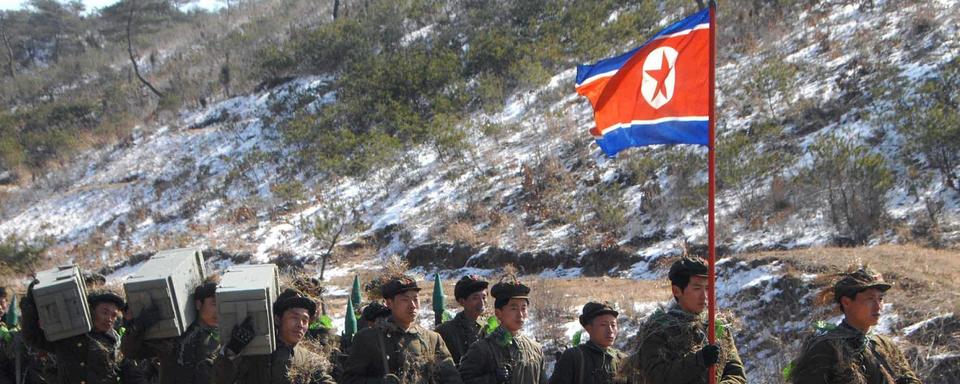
(475, 304)
(693, 298)
(863, 311)
(603, 330)
(293, 325)
(104, 316)
(513, 315)
(404, 307)
(3, 305)
(207, 310)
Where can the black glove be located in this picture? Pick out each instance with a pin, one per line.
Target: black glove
(905, 380)
(241, 335)
(504, 375)
(391, 379)
(710, 354)
(148, 317)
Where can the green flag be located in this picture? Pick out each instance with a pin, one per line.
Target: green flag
(12, 317)
(349, 322)
(355, 292)
(438, 300)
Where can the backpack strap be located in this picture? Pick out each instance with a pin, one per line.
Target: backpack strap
(581, 357)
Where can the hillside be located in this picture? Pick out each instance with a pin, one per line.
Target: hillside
(450, 135)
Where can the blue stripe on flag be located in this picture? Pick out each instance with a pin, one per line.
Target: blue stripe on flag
(669, 132)
(586, 71)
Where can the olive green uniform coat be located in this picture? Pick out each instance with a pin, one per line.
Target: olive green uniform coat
(90, 358)
(458, 333)
(414, 355)
(187, 359)
(524, 357)
(670, 340)
(589, 363)
(274, 368)
(844, 355)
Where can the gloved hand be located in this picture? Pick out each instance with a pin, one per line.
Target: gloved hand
(504, 375)
(241, 335)
(147, 318)
(391, 379)
(710, 354)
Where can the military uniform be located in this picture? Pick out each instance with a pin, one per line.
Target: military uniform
(669, 349)
(522, 356)
(90, 358)
(414, 355)
(589, 363)
(459, 333)
(8, 355)
(502, 357)
(183, 360)
(286, 365)
(845, 354)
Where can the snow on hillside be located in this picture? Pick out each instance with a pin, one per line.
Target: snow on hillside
(176, 184)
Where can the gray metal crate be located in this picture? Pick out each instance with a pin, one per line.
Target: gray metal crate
(167, 281)
(249, 290)
(61, 299)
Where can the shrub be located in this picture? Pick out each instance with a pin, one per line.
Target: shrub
(854, 181)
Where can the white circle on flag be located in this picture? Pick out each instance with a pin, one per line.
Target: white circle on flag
(653, 92)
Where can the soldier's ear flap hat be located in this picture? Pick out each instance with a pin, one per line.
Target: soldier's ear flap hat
(292, 298)
(687, 267)
(206, 289)
(509, 288)
(593, 309)
(469, 285)
(106, 296)
(397, 285)
(859, 280)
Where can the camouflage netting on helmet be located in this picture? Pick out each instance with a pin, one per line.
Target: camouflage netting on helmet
(394, 268)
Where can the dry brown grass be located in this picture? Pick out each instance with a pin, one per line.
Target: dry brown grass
(925, 280)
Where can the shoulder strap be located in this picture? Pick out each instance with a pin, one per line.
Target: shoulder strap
(383, 350)
(880, 358)
(582, 364)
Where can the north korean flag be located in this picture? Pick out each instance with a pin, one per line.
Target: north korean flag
(657, 93)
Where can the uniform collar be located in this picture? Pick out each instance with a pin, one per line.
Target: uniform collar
(463, 319)
(391, 325)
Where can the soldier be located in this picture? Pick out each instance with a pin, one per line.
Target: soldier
(90, 358)
(291, 362)
(849, 353)
(595, 361)
(673, 342)
(398, 350)
(372, 314)
(465, 328)
(505, 355)
(185, 359)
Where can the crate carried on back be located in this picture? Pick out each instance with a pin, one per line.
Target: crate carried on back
(249, 290)
(167, 282)
(61, 299)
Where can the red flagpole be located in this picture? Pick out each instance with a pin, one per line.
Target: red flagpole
(711, 190)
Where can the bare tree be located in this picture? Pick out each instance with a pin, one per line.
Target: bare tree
(335, 217)
(6, 44)
(133, 58)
